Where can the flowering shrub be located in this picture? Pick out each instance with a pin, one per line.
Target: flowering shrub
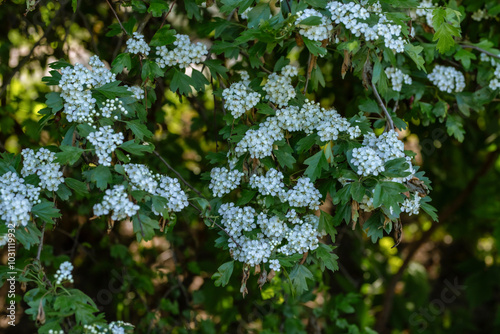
(292, 168)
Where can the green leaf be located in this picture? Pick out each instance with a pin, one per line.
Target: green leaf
(144, 227)
(327, 259)
(198, 80)
(223, 274)
(306, 143)
(101, 175)
(374, 226)
(429, 209)
(150, 70)
(261, 12)
(215, 66)
(455, 127)
(299, 276)
(464, 57)
(285, 158)
(415, 53)
(46, 211)
(316, 164)
(265, 109)
(180, 82)
(140, 130)
(311, 21)
(78, 186)
(28, 235)
(132, 147)
(327, 224)
(357, 191)
(157, 7)
(63, 192)
(74, 4)
(120, 62)
(246, 196)
(396, 168)
(54, 101)
(69, 154)
(314, 47)
(113, 89)
(229, 5)
(164, 36)
(84, 129)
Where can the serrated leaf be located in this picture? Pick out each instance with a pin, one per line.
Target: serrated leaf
(285, 158)
(113, 89)
(144, 227)
(223, 274)
(132, 147)
(316, 164)
(140, 130)
(120, 62)
(164, 36)
(327, 258)
(327, 224)
(78, 186)
(314, 47)
(54, 101)
(374, 226)
(46, 211)
(415, 53)
(215, 66)
(181, 83)
(150, 70)
(101, 175)
(299, 276)
(69, 154)
(357, 191)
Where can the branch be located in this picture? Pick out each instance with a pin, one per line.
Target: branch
(222, 228)
(177, 173)
(116, 15)
(40, 246)
(446, 214)
(166, 15)
(468, 46)
(381, 103)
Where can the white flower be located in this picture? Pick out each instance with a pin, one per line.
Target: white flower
(447, 79)
(239, 98)
(64, 273)
(116, 201)
(397, 78)
(314, 32)
(105, 141)
(184, 54)
(137, 45)
(224, 180)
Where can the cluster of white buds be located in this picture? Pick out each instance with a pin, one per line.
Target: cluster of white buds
(279, 88)
(239, 98)
(55, 331)
(76, 83)
(259, 143)
(112, 106)
(367, 204)
(64, 273)
(272, 234)
(105, 141)
(424, 9)
(42, 163)
(271, 184)
(480, 14)
(116, 201)
(303, 194)
(411, 206)
(16, 199)
(447, 79)
(352, 15)
(4, 238)
(331, 124)
(184, 54)
(367, 162)
(137, 92)
(115, 327)
(495, 82)
(224, 180)
(314, 32)
(397, 78)
(137, 45)
(142, 178)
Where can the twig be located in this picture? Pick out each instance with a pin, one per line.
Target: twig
(381, 103)
(40, 246)
(166, 15)
(177, 173)
(308, 75)
(222, 228)
(144, 22)
(116, 15)
(468, 46)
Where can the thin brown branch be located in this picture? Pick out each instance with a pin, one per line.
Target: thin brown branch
(40, 245)
(177, 173)
(308, 75)
(445, 215)
(116, 15)
(166, 15)
(381, 103)
(468, 46)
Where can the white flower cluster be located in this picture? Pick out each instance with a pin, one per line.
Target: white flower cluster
(75, 84)
(115, 327)
(259, 143)
(397, 78)
(304, 194)
(367, 204)
(352, 16)
(424, 9)
(4, 239)
(314, 32)
(244, 15)
(64, 273)
(116, 201)
(142, 178)
(480, 14)
(112, 106)
(271, 184)
(137, 44)
(239, 98)
(184, 54)
(495, 82)
(16, 199)
(42, 163)
(331, 124)
(274, 236)
(447, 79)
(279, 88)
(137, 92)
(411, 206)
(376, 151)
(224, 180)
(55, 331)
(105, 141)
